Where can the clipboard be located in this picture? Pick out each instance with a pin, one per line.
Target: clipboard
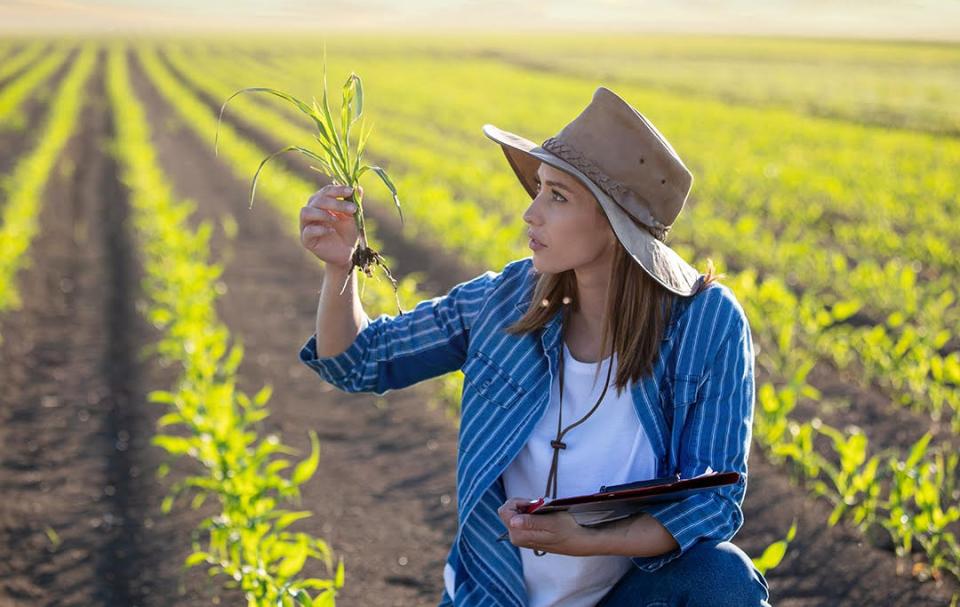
(620, 501)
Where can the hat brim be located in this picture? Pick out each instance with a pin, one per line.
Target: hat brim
(661, 262)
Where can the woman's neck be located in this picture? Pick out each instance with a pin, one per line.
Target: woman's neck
(586, 324)
(584, 345)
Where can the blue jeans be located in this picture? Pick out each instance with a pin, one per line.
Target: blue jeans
(711, 573)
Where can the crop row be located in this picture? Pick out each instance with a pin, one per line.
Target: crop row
(20, 59)
(23, 188)
(915, 499)
(16, 92)
(215, 423)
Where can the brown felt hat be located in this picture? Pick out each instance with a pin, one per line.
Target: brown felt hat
(634, 172)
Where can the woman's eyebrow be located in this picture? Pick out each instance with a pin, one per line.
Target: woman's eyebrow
(557, 185)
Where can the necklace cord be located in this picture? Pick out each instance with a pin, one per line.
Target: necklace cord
(557, 444)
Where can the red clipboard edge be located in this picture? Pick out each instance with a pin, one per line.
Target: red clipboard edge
(718, 479)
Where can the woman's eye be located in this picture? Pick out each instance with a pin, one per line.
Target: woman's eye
(556, 195)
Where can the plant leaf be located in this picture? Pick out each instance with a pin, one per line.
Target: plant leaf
(290, 148)
(393, 190)
(289, 518)
(303, 107)
(335, 142)
(195, 558)
(307, 467)
(296, 556)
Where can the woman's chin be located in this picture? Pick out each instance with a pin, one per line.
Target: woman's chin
(543, 266)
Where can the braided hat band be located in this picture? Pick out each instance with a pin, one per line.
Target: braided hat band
(611, 186)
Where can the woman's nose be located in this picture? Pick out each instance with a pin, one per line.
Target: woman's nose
(531, 216)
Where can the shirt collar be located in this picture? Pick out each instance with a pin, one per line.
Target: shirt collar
(553, 325)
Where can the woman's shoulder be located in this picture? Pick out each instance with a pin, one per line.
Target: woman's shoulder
(493, 291)
(514, 280)
(719, 298)
(713, 312)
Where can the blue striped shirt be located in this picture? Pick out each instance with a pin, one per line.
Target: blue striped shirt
(697, 408)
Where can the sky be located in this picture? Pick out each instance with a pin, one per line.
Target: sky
(899, 19)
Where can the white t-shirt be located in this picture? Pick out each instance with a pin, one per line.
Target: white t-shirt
(608, 449)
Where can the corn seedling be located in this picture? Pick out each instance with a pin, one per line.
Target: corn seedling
(853, 479)
(773, 555)
(336, 160)
(247, 539)
(922, 505)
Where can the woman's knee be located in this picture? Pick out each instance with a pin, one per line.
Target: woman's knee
(708, 574)
(723, 574)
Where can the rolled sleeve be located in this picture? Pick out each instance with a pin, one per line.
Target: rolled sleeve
(695, 518)
(715, 437)
(334, 369)
(393, 352)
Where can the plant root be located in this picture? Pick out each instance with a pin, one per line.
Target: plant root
(365, 258)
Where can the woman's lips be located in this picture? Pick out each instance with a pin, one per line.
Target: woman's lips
(536, 245)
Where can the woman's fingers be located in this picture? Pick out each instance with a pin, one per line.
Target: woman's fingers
(509, 508)
(310, 215)
(329, 197)
(328, 226)
(313, 233)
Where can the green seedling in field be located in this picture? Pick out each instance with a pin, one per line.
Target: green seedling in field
(247, 539)
(774, 553)
(853, 479)
(922, 505)
(336, 159)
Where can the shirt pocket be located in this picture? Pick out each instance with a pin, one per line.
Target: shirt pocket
(491, 383)
(685, 390)
(677, 393)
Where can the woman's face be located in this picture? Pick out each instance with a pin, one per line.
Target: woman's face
(565, 224)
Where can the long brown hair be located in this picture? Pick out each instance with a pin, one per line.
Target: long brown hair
(638, 312)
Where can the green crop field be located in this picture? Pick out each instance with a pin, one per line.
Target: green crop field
(162, 445)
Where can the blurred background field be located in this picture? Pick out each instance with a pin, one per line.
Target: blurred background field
(826, 160)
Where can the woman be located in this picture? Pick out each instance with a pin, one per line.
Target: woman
(601, 293)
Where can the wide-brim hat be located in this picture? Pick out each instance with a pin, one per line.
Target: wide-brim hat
(633, 171)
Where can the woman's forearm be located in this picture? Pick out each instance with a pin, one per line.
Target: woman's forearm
(640, 535)
(339, 317)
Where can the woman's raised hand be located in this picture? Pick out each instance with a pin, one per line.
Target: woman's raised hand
(327, 226)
